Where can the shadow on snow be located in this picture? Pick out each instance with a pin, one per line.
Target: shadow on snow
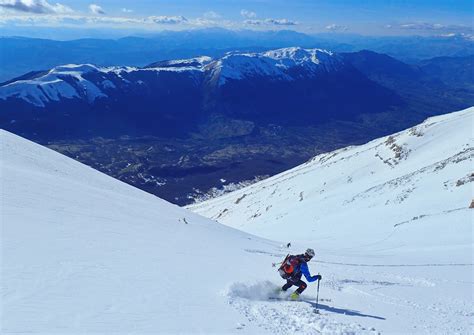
(342, 311)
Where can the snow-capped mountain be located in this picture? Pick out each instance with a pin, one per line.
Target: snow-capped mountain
(84, 82)
(62, 82)
(291, 86)
(408, 190)
(89, 82)
(282, 64)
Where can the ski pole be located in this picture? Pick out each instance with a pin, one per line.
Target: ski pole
(317, 295)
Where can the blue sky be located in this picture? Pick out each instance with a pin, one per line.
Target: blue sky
(367, 17)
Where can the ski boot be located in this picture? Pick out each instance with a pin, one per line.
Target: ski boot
(295, 296)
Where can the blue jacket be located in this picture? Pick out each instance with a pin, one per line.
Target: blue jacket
(305, 271)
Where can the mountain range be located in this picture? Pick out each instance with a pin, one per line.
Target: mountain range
(20, 55)
(173, 96)
(178, 128)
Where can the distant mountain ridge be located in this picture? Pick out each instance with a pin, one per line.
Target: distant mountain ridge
(21, 54)
(83, 81)
(312, 85)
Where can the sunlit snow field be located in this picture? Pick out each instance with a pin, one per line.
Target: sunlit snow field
(390, 223)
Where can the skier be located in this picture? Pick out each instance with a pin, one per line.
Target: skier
(292, 268)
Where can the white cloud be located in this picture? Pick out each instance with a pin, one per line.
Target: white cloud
(469, 37)
(248, 14)
(422, 26)
(126, 10)
(203, 22)
(35, 6)
(168, 19)
(114, 20)
(436, 29)
(96, 9)
(270, 22)
(448, 35)
(211, 15)
(76, 19)
(281, 22)
(254, 22)
(336, 28)
(434, 26)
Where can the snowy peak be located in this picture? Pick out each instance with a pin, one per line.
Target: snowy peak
(196, 62)
(299, 55)
(279, 64)
(241, 66)
(73, 69)
(61, 82)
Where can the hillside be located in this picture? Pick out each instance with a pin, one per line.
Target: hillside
(395, 208)
(83, 252)
(395, 186)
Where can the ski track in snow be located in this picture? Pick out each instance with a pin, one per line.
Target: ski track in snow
(262, 305)
(387, 286)
(389, 292)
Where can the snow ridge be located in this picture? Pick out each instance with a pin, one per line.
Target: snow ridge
(388, 177)
(278, 64)
(64, 81)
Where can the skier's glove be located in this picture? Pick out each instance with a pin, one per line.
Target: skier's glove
(317, 277)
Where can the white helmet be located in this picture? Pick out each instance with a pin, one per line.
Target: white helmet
(309, 252)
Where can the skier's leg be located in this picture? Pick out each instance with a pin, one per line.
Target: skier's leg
(301, 286)
(287, 285)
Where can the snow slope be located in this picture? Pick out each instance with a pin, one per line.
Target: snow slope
(390, 216)
(85, 253)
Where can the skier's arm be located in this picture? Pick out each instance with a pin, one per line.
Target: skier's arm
(305, 272)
